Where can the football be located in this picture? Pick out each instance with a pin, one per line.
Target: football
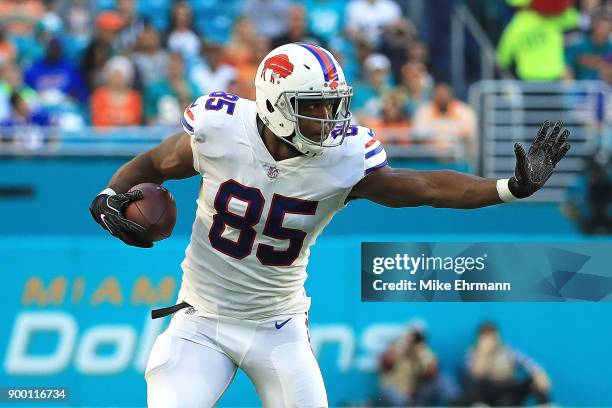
(156, 211)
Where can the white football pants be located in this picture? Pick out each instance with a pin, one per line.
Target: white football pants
(194, 361)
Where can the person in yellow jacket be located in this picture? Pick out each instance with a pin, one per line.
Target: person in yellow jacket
(534, 42)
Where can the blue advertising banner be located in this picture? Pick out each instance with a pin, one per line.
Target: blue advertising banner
(77, 317)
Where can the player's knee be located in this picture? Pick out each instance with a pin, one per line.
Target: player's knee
(161, 396)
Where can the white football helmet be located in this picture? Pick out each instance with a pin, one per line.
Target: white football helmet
(295, 72)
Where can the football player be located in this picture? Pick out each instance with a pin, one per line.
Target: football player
(274, 172)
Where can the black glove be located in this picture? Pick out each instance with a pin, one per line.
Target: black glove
(536, 166)
(107, 210)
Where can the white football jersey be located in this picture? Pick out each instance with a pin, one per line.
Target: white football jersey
(256, 218)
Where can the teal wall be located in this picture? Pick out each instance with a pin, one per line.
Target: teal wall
(49, 235)
(570, 340)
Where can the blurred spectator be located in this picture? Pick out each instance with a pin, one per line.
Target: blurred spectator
(270, 15)
(417, 51)
(11, 76)
(534, 42)
(11, 81)
(587, 7)
(213, 74)
(166, 98)
(33, 48)
(8, 53)
(20, 16)
(368, 18)
(363, 49)
(492, 373)
(150, 58)
(182, 37)
(240, 49)
(56, 79)
(367, 102)
(133, 24)
(22, 114)
(21, 126)
(101, 47)
(589, 201)
(416, 85)
(115, 103)
(245, 80)
(392, 127)
(409, 372)
(395, 42)
(325, 18)
(5, 90)
(446, 123)
(586, 58)
(52, 18)
(606, 76)
(78, 17)
(296, 29)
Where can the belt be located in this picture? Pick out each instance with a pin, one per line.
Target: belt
(166, 311)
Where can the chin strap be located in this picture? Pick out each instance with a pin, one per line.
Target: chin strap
(299, 146)
(260, 126)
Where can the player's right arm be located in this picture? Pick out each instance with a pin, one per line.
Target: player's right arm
(171, 159)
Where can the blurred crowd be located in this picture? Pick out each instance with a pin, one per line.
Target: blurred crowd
(139, 62)
(494, 374)
(552, 40)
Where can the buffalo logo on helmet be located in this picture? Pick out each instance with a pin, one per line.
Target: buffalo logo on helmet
(280, 66)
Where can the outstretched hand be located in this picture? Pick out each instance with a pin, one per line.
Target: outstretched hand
(537, 165)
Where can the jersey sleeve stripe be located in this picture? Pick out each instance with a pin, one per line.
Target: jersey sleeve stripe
(378, 166)
(374, 160)
(371, 142)
(373, 146)
(374, 152)
(186, 125)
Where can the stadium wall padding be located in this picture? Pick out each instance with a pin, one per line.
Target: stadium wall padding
(53, 196)
(76, 315)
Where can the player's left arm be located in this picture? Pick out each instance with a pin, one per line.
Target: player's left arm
(450, 189)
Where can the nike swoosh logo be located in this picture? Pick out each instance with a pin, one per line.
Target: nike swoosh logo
(102, 217)
(278, 326)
